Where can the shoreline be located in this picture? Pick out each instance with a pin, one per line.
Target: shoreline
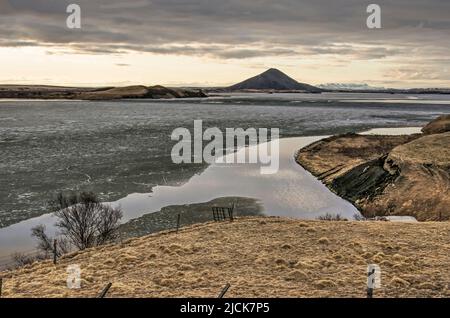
(40, 92)
(109, 93)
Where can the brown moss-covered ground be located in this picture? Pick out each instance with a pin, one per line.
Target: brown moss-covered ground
(259, 257)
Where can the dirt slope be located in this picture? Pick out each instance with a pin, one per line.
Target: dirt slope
(259, 257)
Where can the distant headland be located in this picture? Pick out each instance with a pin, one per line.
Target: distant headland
(270, 81)
(102, 93)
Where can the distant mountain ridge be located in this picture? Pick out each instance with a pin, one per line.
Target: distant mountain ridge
(349, 86)
(273, 79)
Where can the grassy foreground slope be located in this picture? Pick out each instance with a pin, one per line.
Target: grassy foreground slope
(259, 257)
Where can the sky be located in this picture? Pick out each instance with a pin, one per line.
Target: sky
(221, 42)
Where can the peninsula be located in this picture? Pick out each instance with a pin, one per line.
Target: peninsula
(387, 175)
(99, 93)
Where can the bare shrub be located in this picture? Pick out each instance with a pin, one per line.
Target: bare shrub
(45, 243)
(83, 222)
(358, 217)
(331, 217)
(21, 259)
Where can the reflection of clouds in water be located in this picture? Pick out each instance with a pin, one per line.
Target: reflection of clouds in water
(292, 192)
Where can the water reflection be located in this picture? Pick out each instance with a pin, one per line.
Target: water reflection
(292, 192)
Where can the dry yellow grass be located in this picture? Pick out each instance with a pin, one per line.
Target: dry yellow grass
(259, 257)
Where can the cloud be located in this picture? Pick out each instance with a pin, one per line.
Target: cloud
(234, 29)
(419, 73)
(233, 22)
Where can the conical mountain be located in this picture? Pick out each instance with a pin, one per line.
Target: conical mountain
(273, 79)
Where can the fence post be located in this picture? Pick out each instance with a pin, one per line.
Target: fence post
(224, 290)
(232, 211)
(54, 251)
(178, 222)
(373, 279)
(369, 292)
(120, 236)
(1, 284)
(104, 291)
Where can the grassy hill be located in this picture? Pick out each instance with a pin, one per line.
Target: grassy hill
(259, 257)
(386, 175)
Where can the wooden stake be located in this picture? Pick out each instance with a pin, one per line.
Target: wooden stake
(120, 237)
(232, 211)
(104, 291)
(369, 292)
(370, 285)
(54, 251)
(178, 222)
(224, 291)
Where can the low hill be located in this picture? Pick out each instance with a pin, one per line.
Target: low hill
(273, 79)
(259, 257)
(101, 93)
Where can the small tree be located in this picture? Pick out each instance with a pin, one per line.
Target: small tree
(83, 222)
(45, 243)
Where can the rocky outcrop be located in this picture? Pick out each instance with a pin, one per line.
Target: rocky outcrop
(332, 157)
(422, 181)
(386, 175)
(438, 126)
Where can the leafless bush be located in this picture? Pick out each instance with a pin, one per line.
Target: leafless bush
(45, 243)
(83, 222)
(21, 259)
(331, 217)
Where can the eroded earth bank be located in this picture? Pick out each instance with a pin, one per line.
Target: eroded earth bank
(387, 175)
